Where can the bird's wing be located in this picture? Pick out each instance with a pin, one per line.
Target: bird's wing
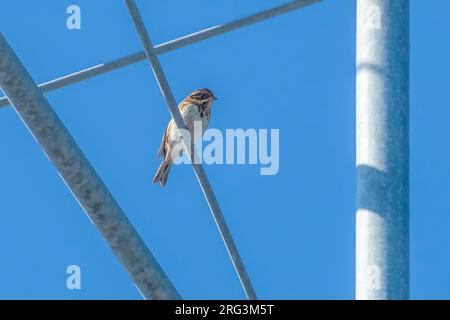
(163, 148)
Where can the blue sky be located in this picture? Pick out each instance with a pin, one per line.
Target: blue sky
(295, 230)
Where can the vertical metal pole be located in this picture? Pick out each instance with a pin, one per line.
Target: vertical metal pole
(81, 178)
(382, 149)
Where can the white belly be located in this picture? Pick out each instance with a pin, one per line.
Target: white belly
(191, 116)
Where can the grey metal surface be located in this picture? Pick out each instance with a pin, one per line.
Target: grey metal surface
(168, 46)
(199, 171)
(81, 177)
(382, 149)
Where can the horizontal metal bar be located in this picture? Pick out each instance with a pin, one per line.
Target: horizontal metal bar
(198, 169)
(167, 46)
(81, 178)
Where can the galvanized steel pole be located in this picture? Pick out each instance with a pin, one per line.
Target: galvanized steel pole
(198, 169)
(168, 46)
(81, 178)
(382, 149)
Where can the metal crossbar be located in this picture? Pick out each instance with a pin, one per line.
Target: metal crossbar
(167, 46)
(382, 154)
(28, 100)
(81, 178)
(198, 169)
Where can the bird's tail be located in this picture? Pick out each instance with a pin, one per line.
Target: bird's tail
(163, 172)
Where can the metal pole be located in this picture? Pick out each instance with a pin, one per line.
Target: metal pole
(81, 177)
(198, 169)
(168, 46)
(382, 149)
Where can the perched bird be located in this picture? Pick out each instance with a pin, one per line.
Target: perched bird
(195, 107)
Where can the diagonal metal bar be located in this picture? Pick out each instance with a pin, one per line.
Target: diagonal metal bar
(81, 178)
(168, 46)
(199, 171)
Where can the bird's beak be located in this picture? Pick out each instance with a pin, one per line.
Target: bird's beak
(214, 97)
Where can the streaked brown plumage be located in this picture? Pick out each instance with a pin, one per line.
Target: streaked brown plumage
(195, 107)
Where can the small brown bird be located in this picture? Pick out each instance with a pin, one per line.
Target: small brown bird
(195, 107)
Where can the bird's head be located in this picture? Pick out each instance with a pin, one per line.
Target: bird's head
(202, 96)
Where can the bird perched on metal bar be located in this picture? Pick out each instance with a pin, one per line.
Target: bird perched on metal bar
(195, 107)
